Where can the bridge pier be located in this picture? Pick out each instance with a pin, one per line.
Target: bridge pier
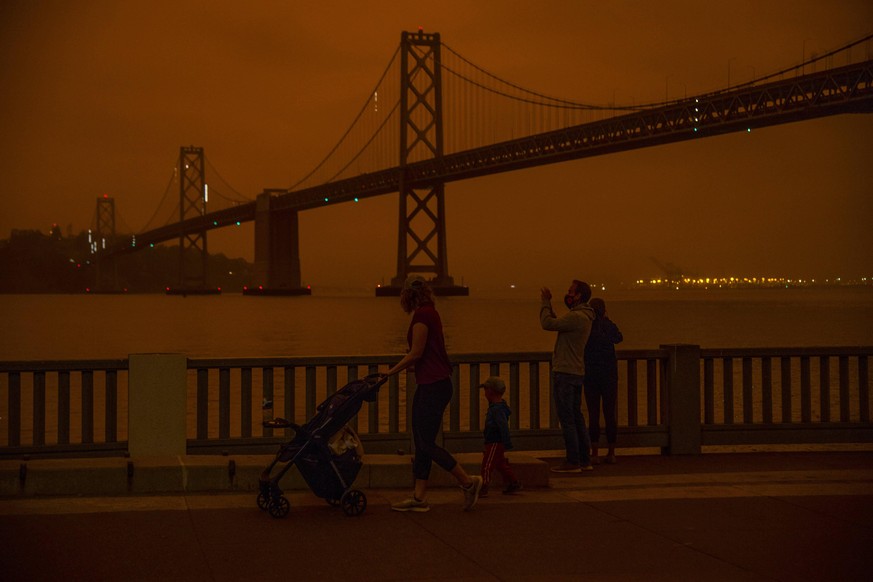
(277, 250)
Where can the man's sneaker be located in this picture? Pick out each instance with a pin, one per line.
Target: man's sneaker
(483, 492)
(566, 468)
(411, 504)
(471, 492)
(587, 467)
(512, 488)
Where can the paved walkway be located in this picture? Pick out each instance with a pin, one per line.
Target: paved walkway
(760, 516)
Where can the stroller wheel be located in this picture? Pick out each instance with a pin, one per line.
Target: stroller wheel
(279, 508)
(354, 502)
(263, 501)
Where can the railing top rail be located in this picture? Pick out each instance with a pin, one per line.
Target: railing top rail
(785, 352)
(62, 365)
(280, 362)
(477, 358)
(480, 358)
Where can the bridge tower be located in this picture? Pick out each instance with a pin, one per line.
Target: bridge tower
(107, 270)
(421, 241)
(193, 255)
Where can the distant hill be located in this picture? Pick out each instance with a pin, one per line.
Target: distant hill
(33, 262)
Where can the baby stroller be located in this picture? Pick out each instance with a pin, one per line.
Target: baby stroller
(326, 451)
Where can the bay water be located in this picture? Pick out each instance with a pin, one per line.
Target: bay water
(336, 322)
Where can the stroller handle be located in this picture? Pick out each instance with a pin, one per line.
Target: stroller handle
(376, 380)
(280, 423)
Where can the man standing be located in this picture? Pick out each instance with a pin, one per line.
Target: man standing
(568, 370)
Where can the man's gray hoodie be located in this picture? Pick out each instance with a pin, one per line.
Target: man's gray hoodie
(573, 329)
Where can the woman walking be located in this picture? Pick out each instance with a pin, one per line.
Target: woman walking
(433, 377)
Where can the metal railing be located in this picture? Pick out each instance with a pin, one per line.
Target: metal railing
(91, 423)
(229, 391)
(677, 398)
(786, 395)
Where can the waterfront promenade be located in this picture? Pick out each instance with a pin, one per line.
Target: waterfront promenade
(799, 515)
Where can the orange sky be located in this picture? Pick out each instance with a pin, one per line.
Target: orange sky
(98, 97)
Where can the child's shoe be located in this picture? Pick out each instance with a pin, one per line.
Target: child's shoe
(511, 489)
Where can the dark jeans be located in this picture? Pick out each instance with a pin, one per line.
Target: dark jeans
(601, 385)
(568, 400)
(428, 405)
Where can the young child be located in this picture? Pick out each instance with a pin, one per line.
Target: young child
(497, 440)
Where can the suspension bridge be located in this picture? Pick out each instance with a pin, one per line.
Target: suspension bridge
(435, 117)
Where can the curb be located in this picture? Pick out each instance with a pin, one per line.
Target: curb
(207, 473)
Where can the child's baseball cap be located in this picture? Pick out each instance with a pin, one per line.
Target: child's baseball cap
(495, 384)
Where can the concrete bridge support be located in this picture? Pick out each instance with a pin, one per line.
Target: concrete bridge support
(277, 250)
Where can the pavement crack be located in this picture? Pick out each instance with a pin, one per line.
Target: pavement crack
(200, 549)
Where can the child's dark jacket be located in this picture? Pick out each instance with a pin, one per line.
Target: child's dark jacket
(497, 424)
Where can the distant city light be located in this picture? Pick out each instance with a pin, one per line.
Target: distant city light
(689, 282)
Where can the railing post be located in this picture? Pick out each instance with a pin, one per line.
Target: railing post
(157, 403)
(683, 399)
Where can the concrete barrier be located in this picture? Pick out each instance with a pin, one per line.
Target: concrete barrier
(207, 473)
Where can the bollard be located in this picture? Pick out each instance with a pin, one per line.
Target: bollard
(157, 404)
(683, 399)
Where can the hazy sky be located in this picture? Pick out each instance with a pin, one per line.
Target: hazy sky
(98, 96)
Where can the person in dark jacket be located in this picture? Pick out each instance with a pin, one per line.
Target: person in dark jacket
(497, 440)
(601, 379)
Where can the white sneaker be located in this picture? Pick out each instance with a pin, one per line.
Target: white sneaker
(411, 504)
(471, 492)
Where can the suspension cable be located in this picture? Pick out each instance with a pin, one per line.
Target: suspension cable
(226, 183)
(367, 144)
(161, 203)
(357, 118)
